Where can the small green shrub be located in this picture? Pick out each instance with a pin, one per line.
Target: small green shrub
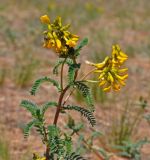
(131, 150)
(124, 127)
(111, 76)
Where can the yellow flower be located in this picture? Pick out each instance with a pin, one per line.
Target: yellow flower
(116, 87)
(57, 22)
(99, 66)
(118, 56)
(45, 19)
(71, 42)
(107, 89)
(37, 157)
(43, 158)
(111, 75)
(47, 44)
(57, 37)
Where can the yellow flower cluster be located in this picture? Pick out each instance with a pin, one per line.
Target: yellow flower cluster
(37, 157)
(118, 56)
(57, 36)
(41, 158)
(111, 74)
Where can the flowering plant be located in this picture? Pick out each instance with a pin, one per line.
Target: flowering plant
(111, 76)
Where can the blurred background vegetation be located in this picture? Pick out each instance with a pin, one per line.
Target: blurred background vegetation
(22, 60)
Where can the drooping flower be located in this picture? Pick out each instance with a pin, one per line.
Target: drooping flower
(45, 19)
(72, 40)
(111, 74)
(118, 56)
(57, 36)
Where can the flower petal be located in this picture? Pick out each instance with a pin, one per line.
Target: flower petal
(45, 19)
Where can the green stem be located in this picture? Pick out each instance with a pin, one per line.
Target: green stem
(87, 74)
(76, 73)
(47, 145)
(92, 149)
(61, 76)
(136, 120)
(68, 96)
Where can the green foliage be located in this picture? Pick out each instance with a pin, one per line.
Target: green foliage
(86, 113)
(83, 43)
(74, 156)
(132, 150)
(147, 117)
(127, 21)
(61, 61)
(73, 126)
(105, 154)
(37, 117)
(68, 144)
(30, 106)
(38, 123)
(28, 127)
(38, 82)
(87, 144)
(82, 87)
(37, 114)
(53, 131)
(98, 95)
(94, 135)
(81, 148)
(54, 140)
(71, 72)
(124, 127)
(34, 109)
(85, 90)
(59, 144)
(46, 106)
